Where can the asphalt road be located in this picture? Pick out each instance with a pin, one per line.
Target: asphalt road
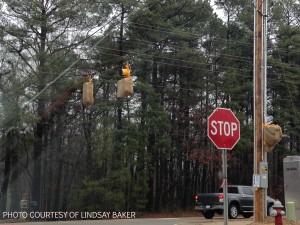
(138, 221)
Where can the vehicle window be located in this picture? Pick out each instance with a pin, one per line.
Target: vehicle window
(247, 190)
(233, 190)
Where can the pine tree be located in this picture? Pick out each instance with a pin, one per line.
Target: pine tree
(44, 40)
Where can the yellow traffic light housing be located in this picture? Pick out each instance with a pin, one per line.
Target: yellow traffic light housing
(126, 71)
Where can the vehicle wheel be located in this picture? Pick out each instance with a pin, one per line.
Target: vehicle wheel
(269, 209)
(208, 214)
(233, 211)
(247, 215)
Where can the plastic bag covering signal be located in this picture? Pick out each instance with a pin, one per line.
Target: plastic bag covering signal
(272, 136)
(88, 93)
(124, 87)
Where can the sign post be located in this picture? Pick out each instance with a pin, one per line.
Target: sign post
(223, 129)
(225, 188)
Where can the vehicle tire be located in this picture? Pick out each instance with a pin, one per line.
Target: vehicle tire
(208, 214)
(247, 215)
(233, 211)
(269, 209)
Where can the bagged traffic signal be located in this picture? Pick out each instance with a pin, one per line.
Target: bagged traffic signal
(88, 92)
(272, 136)
(125, 85)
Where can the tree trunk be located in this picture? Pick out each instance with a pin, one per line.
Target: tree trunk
(40, 126)
(7, 143)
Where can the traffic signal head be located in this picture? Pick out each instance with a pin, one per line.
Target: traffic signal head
(126, 71)
(88, 92)
(272, 136)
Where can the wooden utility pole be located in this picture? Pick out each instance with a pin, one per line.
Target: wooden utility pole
(259, 193)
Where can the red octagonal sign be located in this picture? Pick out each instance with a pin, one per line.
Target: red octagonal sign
(223, 128)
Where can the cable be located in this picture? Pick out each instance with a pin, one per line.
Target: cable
(65, 71)
(182, 49)
(193, 34)
(144, 26)
(131, 52)
(187, 33)
(290, 94)
(179, 60)
(76, 61)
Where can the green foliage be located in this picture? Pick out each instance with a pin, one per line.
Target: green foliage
(105, 194)
(138, 190)
(149, 151)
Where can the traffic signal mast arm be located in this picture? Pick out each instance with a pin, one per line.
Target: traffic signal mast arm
(63, 98)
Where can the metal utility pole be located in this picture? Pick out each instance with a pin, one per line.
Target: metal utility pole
(259, 103)
(265, 52)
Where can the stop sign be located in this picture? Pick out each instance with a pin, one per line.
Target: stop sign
(223, 128)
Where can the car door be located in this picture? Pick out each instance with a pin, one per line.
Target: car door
(247, 199)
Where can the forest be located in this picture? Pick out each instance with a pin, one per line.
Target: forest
(149, 151)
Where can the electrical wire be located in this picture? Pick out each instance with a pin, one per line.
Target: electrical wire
(189, 34)
(192, 51)
(131, 52)
(184, 61)
(76, 61)
(290, 95)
